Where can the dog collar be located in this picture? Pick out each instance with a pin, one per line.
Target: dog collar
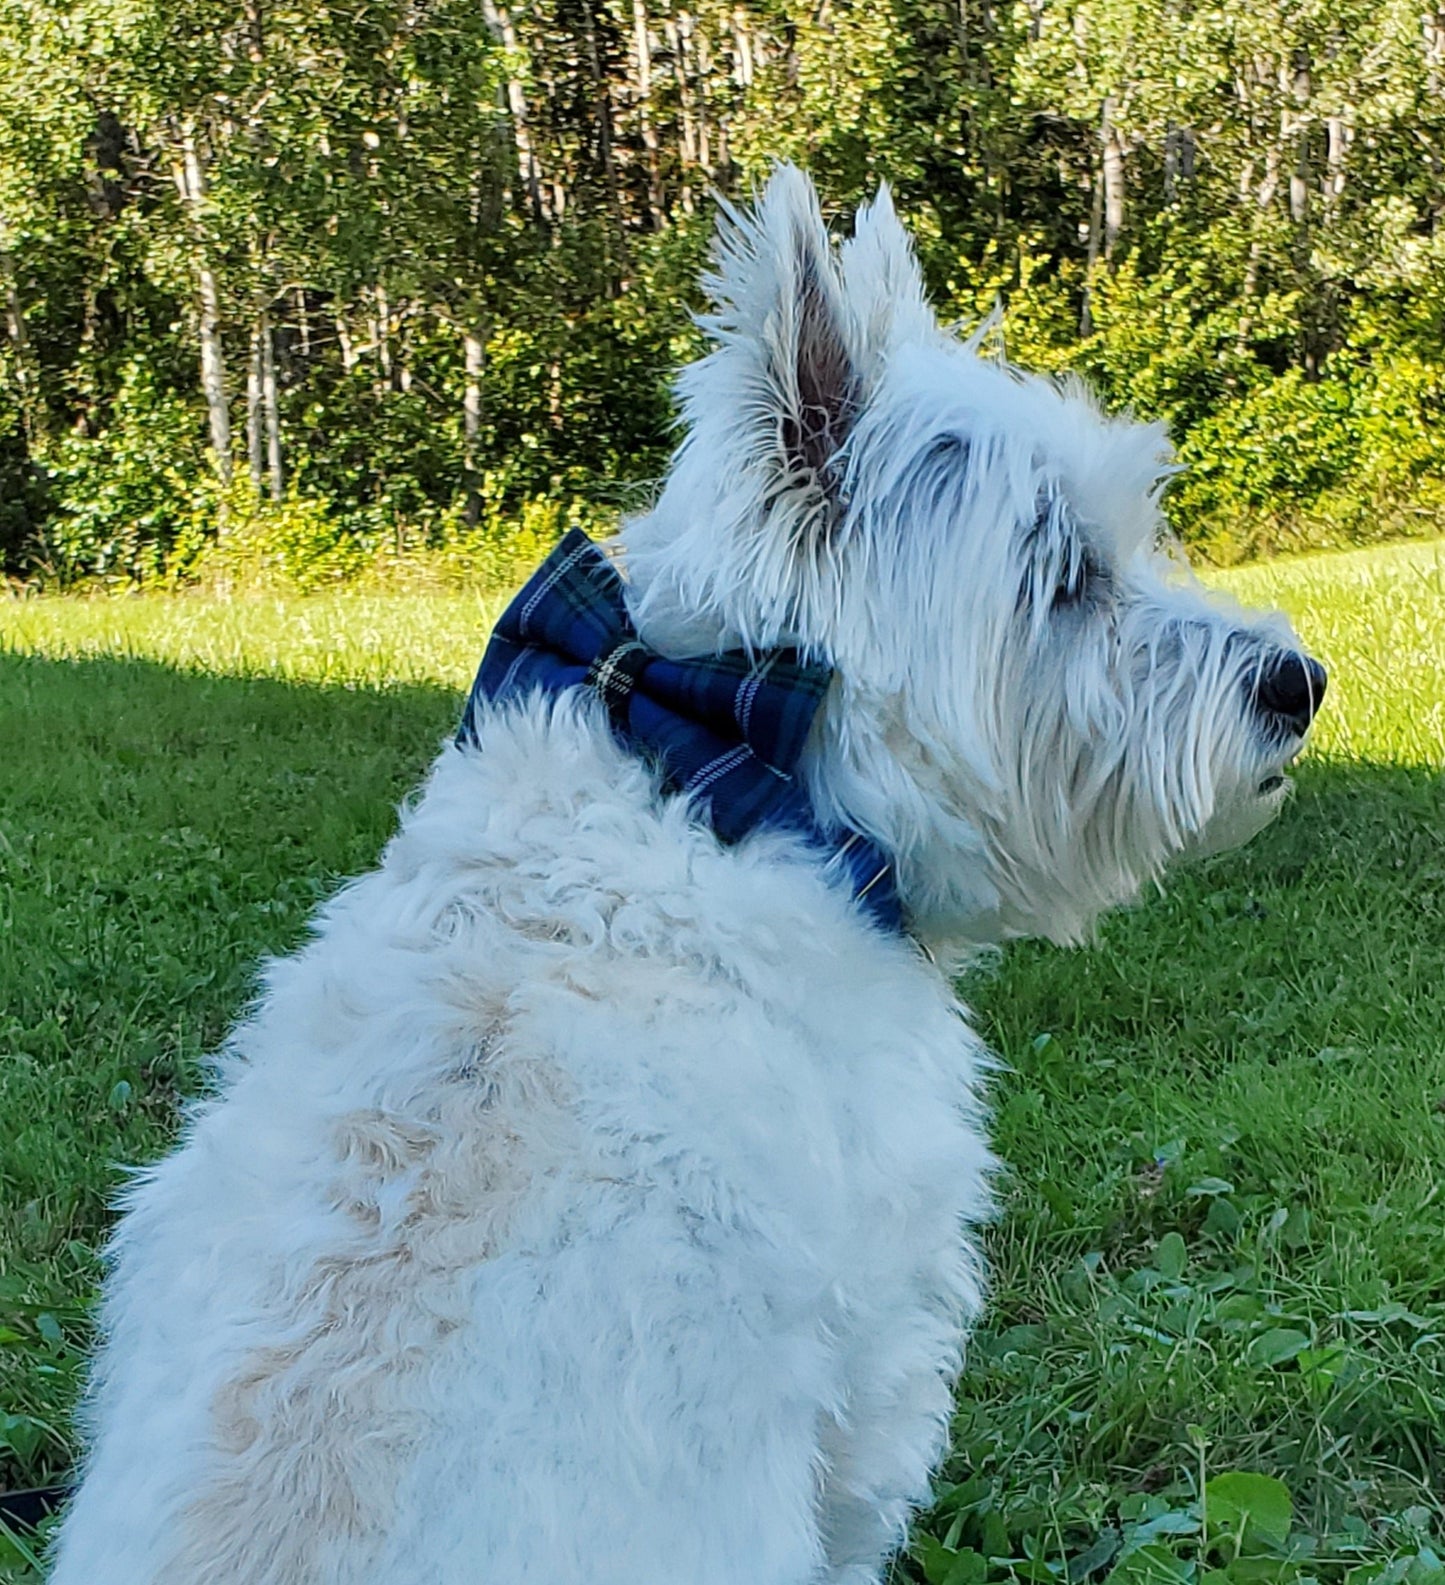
(726, 730)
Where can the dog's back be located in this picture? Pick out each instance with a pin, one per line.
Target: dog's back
(558, 1199)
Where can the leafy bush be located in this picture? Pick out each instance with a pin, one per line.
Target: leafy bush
(303, 543)
(298, 542)
(1296, 464)
(125, 496)
(1275, 458)
(575, 420)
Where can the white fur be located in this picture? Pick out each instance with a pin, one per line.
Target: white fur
(588, 1201)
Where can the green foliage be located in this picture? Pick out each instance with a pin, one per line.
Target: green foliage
(464, 240)
(302, 543)
(298, 542)
(1238, 1531)
(124, 497)
(1293, 462)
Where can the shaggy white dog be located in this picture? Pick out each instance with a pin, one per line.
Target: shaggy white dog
(592, 1200)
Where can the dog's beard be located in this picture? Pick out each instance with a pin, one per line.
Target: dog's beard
(1239, 820)
(1165, 766)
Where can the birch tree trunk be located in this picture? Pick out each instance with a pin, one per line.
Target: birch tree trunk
(475, 349)
(1297, 127)
(303, 324)
(1106, 211)
(213, 371)
(255, 437)
(642, 46)
(694, 48)
(499, 20)
(687, 145)
(270, 406)
(27, 374)
(191, 183)
(1111, 170)
(381, 337)
(742, 48)
(1337, 141)
(344, 341)
(1299, 180)
(1096, 226)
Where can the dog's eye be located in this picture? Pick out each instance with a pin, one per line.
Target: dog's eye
(1083, 575)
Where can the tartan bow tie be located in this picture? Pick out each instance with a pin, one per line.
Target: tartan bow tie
(727, 730)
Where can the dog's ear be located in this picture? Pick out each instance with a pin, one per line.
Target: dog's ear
(747, 539)
(784, 372)
(883, 284)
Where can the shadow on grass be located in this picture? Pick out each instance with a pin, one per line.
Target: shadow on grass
(1273, 1024)
(159, 831)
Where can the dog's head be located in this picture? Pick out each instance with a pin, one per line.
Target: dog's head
(1036, 706)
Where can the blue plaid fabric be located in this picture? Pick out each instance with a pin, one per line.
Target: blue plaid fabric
(727, 730)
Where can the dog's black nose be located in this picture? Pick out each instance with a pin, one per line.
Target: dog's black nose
(1289, 687)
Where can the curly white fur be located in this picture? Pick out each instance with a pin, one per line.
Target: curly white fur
(588, 1201)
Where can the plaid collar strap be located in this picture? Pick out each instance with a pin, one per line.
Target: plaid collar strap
(727, 730)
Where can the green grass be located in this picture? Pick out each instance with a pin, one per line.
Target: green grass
(1222, 1245)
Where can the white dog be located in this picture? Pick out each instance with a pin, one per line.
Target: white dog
(593, 1199)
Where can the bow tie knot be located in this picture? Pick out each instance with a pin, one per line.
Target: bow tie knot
(615, 673)
(727, 730)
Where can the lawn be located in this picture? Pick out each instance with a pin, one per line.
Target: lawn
(1222, 1249)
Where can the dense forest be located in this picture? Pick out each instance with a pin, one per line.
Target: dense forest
(383, 273)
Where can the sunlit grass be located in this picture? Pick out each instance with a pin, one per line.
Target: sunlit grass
(1377, 618)
(351, 639)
